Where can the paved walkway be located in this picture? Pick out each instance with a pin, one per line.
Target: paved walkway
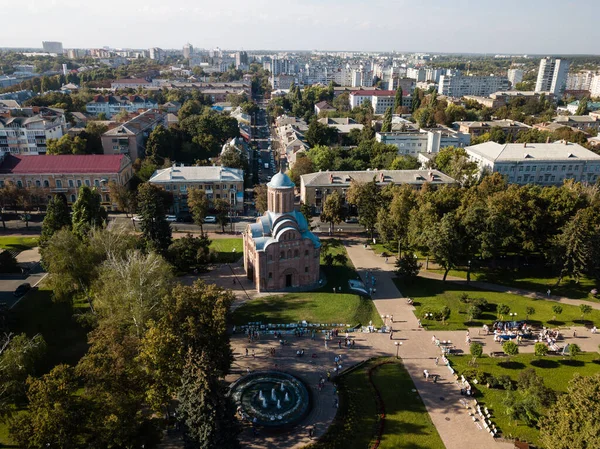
(442, 399)
(512, 290)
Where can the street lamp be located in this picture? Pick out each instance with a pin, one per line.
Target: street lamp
(429, 316)
(513, 314)
(398, 344)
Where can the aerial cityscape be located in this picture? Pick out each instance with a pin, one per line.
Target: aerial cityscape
(300, 225)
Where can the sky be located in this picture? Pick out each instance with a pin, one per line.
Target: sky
(437, 26)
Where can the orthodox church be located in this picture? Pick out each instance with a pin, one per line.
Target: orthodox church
(280, 251)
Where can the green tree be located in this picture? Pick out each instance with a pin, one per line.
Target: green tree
(557, 310)
(541, 350)
(367, 198)
(502, 309)
(529, 311)
(66, 145)
(198, 204)
(585, 309)
(123, 197)
(302, 166)
(156, 231)
(88, 212)
(405, 163)
(582, 109)
(510, 348)
(222, 209)
(333, 210)
(129, 291)
(446, 243)
(234, 157)
(161, 144)
(322, 157)
(57, 217)
(456, 163)
(189, 253)
(205, 408)
(386, 126)
(407, 267)
(320, 134)
(260, 198)
(573, 421)
(476, 350)
(398, 100)
(56, 416)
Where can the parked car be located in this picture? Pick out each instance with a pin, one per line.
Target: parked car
(22, 289)
(136, 218)
(351, 220)
(210, 219)
(171, 218)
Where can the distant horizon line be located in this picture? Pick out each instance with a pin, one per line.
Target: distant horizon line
(22, 49)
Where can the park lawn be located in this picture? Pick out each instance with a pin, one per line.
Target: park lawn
(18, 243)
(407, 423)
(337, 275)
(432, 295)
(533, 279)
(555, 370)
(224, 249)
(314, 307)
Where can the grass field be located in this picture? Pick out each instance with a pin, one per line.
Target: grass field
(224, 249)
(66, 339)
(555, 370)
(407, 423)
(432, 295)
(314, 307)
(18, 243)
(533, 279)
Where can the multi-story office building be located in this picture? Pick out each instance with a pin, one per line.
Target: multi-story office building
(458, 86)
(429, 140)
(113, 104)
(27, 130)
(66, 173)
(188, 51)
(510, 127)
(216, 182)
(552, 76)
(537, 163)
(515, 76)
(53, 47)
(130, 137)
(316, 187)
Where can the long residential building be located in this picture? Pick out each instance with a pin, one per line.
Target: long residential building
(65, 174)
(113, 104)
(429, 140)
(27, 130)
(130, 137)
(379, 99)
(510, 127)
(458, 86)
(130, 83)
(537, 163)
(216, 182)
(315, 187)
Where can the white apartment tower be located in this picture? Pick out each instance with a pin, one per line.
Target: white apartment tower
(515, 76)
(552, 76)
(188, 51)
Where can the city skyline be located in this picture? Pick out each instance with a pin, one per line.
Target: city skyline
(462, 27)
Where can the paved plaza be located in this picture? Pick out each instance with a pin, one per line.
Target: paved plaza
(442, 399)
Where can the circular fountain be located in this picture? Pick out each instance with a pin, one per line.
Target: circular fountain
(287, 404)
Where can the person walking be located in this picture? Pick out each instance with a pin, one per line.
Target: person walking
(246, 352)
(392, 334)
(436, 361)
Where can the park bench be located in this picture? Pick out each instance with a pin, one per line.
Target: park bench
(497, 354)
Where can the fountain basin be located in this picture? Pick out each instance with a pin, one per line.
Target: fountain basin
(287, 404)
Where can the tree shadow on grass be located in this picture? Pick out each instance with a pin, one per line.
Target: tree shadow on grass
(544, 363)
(556, 323)
(510, 364)
(570, 362)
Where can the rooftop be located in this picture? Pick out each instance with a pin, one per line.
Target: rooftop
(374, 93)
(344, 178)
(62, 164)
(557, 151)
(136, 124)
(179, 173)
(490, 123)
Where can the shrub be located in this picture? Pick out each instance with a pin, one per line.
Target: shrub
(481, 303)
(503, 309)
(464, 298)
(476, 349)
(541, 350)
(407, 267)
(474, 312)
(510, 348)
(506, 382)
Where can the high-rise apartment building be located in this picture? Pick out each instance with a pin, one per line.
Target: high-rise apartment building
(515, 76)
(188, 51)
(241, 59)
(53, 47)
(580, 80)
(552, 76)
(595, 87)
(157, 54)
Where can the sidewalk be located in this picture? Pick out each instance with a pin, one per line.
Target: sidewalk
(442, 399)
